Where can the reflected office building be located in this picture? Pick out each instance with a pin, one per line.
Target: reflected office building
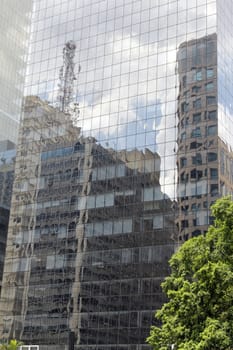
(126, 142)
(197, 155)
(204, 161)
(89, 238)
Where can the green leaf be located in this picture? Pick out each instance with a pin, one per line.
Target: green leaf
(199, 313)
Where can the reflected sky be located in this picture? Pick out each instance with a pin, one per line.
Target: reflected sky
(127, 88)
(225, 73)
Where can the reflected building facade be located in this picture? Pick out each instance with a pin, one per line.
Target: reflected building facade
(121, 153)
(204, 160)
(90, 235)
(197, 154)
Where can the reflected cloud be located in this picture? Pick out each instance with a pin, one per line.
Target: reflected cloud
(128, 57)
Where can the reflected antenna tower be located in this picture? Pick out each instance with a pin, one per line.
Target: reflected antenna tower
(67, 78)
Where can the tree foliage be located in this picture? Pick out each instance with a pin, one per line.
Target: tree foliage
(199, 313)
(12, 345)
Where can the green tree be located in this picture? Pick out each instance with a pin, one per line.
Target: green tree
(12, 345)
(199, 311)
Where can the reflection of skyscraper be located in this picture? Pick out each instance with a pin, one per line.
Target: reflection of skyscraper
(204, 161)
(197, 155)
(90, 236)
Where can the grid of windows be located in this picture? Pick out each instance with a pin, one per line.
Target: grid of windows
(118, 161)
(14, 30)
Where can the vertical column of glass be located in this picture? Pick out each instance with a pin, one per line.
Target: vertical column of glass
(109, 188)
(225, 97)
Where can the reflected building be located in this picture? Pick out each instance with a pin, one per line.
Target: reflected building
(197, 155)
(204, 161)
(90, 235)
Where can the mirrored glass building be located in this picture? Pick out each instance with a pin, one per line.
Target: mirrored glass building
(14, 34)
(125, 143)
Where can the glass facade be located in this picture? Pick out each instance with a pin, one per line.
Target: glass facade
(14, 35)
(7, 159)
(124, 145)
